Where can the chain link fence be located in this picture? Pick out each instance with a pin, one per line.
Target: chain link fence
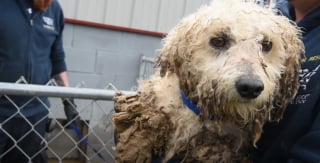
(91, 139)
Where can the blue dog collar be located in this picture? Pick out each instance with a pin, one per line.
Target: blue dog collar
(190, 104)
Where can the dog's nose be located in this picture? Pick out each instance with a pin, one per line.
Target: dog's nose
(249, 88)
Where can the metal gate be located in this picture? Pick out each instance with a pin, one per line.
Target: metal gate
(90, 140)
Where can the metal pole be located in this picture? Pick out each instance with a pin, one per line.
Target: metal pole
(56, 91)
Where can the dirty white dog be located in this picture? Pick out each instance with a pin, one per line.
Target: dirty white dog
(223, 72)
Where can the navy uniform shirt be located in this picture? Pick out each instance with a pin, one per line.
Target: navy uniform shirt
(30, 46)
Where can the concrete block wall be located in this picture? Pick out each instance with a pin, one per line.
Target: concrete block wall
(97, 56)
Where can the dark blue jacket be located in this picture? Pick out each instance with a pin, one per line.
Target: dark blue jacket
(297, 137)
(30, 46)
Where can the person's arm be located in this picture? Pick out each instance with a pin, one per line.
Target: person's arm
(62, 79)
(59, 71)
(68, 103)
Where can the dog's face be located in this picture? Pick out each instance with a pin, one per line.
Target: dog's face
(234, 59)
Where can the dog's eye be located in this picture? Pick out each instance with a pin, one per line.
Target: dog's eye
(218, 42)
(266, 46)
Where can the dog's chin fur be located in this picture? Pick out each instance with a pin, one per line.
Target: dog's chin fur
(156, 122)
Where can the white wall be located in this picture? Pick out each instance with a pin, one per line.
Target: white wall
(151, 15)
(98, 56)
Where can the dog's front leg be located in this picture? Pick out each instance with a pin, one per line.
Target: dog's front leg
(146, 136)
(135, 147)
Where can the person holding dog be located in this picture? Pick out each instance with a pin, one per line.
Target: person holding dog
(296, 138)
(30, 46)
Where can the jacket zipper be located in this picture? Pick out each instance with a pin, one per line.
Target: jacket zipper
(32, 18)
(29, 56)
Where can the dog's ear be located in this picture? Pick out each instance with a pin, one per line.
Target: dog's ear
(175, 50)
(289, 82)
(288, 86)
(177, 45)
(165, 63)
(163, 67)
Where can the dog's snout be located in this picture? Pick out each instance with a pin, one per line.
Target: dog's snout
(249, 88)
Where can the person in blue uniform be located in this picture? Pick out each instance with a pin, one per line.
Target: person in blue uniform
(30, 46)
(296, 138)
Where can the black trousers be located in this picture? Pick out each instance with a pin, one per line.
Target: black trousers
(20, 142)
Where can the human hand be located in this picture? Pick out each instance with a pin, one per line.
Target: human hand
(70, 111)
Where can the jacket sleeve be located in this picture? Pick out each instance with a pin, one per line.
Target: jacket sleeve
(307, 148)
(57, 52)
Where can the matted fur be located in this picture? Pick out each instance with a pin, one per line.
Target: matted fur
(156, 122)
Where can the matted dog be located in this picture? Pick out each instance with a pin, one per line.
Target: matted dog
(223, 72)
